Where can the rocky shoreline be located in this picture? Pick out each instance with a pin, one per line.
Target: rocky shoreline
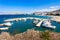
(31, 35)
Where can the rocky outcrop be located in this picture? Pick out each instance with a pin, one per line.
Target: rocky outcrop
(6, 36)
(28, 35)
(31, 35)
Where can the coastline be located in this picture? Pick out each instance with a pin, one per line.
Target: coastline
(56, 18)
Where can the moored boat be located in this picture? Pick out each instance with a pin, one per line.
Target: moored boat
(7, 24)
(4, 28)
(47, 24)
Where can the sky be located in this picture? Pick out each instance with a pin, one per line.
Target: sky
(28, 6)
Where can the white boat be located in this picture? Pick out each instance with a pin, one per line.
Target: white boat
(47, 24)
(8, 20)
(7, 24)
(5, 28)
(35, 21)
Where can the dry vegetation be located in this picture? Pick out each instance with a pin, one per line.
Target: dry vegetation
(31, 35)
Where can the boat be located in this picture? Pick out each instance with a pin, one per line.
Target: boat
(47, 24)
(35, 21)
(5, 28)
(7, 24)
(9, 20)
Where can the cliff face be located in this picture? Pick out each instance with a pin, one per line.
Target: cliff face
(31, 35)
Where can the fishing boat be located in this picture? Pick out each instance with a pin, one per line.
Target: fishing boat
(47, 24)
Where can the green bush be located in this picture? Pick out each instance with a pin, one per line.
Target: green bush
(46, 35)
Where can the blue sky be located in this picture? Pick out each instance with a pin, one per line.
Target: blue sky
(28, 5)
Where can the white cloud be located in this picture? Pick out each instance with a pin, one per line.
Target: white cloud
(52, 8)
(55, 7)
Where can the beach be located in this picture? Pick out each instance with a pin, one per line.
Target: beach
(56, 18)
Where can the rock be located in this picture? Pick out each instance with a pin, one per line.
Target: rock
(6, 36)
(29, 35)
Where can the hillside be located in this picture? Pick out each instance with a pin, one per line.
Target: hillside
(56, 10)
(55, 13)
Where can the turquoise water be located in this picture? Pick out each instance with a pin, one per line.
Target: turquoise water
(21, 25)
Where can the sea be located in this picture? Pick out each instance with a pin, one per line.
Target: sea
(22, 26)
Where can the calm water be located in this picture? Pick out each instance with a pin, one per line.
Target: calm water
(22, 25)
